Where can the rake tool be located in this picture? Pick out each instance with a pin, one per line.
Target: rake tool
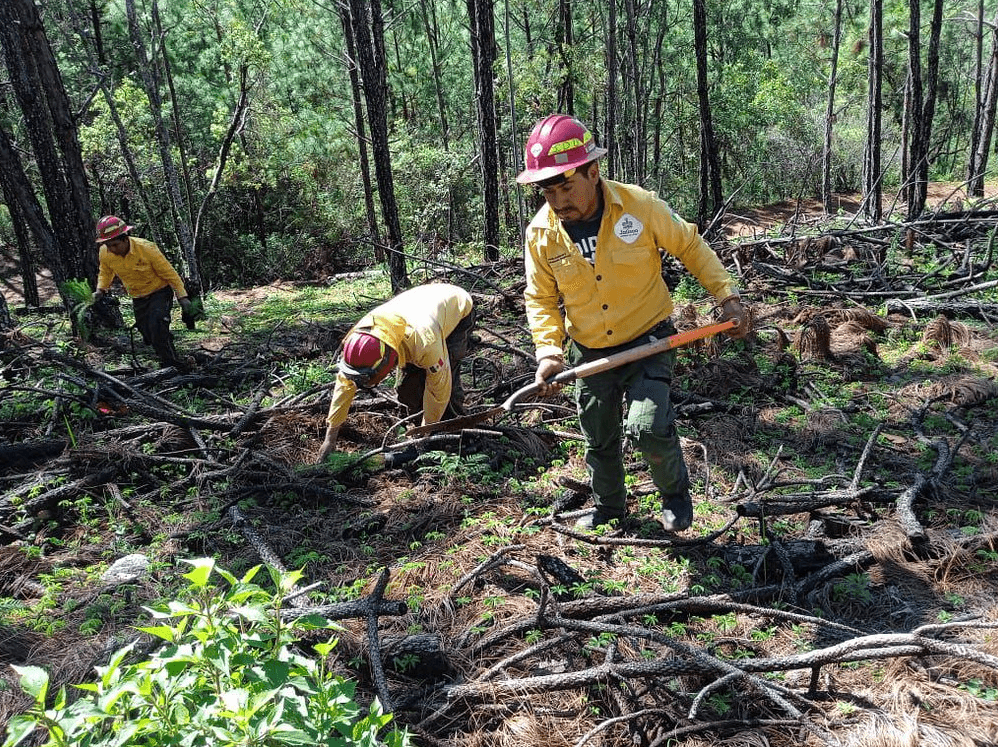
(579, 372)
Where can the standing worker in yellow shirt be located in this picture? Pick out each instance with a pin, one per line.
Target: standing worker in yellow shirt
(149, 279)
(425, 331)
(594, 246)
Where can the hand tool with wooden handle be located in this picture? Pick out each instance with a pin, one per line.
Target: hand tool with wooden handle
(579, 372)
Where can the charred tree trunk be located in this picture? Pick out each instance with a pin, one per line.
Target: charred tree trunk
(513, 229)
(29, 282)
(612, 73)
(826, 160)
(710, 170)
(483, 52)
(366, 19)
(984, 118)
(564, 40)
(921, 105)
(872, 185)
(358, 118)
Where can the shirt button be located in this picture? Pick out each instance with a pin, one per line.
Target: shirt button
(605, 307)
(599, 277)
(609, 331)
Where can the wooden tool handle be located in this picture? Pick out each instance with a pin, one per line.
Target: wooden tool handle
(627, 356)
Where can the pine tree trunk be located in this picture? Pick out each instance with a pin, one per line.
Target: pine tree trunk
(826, 159)
(66, 234)
(985, 121)
(483, 49)
(872, 185)
(710, 170)
(612, 74)
(366, 20)
(358, 119)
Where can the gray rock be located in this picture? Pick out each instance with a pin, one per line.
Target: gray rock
(126, 570)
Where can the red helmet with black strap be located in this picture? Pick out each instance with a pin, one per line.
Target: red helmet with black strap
(366, 359)
(558, 143)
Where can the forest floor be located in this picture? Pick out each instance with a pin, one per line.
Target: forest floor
(838, 585)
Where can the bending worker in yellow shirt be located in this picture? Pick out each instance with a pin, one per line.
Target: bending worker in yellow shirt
(425, 331)
(149, 279)
(594, 246)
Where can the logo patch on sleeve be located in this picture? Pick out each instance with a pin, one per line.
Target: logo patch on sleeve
(628, 228)
(439, 366)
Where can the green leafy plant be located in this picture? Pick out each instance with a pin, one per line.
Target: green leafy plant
(855, 586)
(80, 295)
(228, 673)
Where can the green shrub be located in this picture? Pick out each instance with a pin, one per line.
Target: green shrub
(227, 674)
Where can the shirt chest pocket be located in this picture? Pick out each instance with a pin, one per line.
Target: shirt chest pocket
(634, 266)
(569, 274)
(142, 267)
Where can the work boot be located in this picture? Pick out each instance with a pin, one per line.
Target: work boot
(677, 513)
(598, 518)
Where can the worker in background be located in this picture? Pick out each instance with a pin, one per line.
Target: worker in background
(425, 332)
(149, 279)
(593, 249)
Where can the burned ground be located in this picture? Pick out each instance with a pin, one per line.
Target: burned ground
(837, 586)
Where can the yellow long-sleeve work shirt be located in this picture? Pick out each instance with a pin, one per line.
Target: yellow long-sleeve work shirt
(416, 324)
(622, 294)
(143, 270)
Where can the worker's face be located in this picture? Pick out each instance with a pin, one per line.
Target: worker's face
(118, 245)
(576, 198)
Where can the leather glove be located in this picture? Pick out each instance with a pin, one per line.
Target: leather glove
(546, 369)
(732, 308)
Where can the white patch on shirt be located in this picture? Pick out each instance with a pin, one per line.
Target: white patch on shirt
(628, 228)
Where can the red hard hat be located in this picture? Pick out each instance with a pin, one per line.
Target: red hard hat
(559, 142)
(110, 226)
(366, 359)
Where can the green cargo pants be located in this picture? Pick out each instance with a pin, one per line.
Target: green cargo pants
(650, 421)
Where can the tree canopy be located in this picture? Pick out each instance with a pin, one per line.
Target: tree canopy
(247, 137)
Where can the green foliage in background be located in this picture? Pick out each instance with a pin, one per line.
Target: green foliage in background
(228, 672)
(291, 201)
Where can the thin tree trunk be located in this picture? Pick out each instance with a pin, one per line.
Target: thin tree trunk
(358, 117)
(515, 150)
(826, 159)
(90, 43)
(975, 130)
(612, 74)
(872, 185)
(914, 147)
(236, 124)
(633, 86)
(921, 105)
(710, 170)
(29, 282)
(177, 127)
(19, 191)
(564, 41)
(428, 15)
(149, 74)
(979, 158)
